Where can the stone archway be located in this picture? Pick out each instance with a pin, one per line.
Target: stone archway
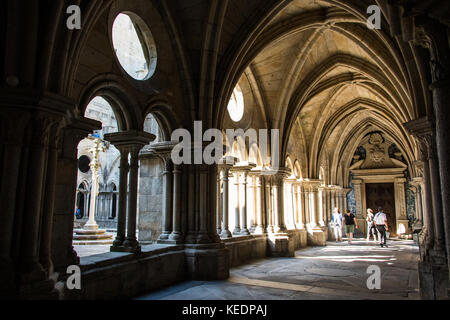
(372, 177)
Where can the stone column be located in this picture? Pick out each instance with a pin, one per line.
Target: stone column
(332, 198)
(131, 242)
(289, 202)
(123, 190)
(206, 256)
(242, 170)
(225, 165)
(321, 206)
(439, 160)
(48, 208)
(278, 188)
(251, 207)
(128, 142)
(30, 270)
(330, 205)
(421, 129)
(176, 235)
(218, 202)
(313, 205)
(63, 253)
(12, 128)
(259, 229)
(243, 204)
(436, 196)
(237, 227)
(305, 200)
(300, 224)
(167, 199)
(316, 234)
(269, 204)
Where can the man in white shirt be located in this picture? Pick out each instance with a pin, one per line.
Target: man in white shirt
(382, 226)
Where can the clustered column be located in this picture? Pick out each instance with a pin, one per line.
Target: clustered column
(129, 143)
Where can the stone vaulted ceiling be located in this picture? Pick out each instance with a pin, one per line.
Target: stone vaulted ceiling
(326, 80)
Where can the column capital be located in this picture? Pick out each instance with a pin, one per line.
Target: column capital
(227, 162)
(243, 167)
(130, 139)
(423, 131)
(160, 150)
(314, 184)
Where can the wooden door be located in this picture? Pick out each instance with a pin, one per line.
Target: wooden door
(382, 195)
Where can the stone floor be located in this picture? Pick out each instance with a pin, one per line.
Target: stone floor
(337, 271)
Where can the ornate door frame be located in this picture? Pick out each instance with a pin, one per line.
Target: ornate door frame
(391, 175)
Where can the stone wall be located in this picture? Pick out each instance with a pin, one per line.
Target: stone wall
(150, 199)
(246, 248)
(128, 276)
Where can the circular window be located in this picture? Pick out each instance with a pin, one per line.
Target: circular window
(236, 105)
(83, 164)
(134, 46)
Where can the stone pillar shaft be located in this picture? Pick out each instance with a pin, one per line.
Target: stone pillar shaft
(167, 200)
(243, 204)
(259, 206)
(176, 234)
(47, 219)
(130, 240)
(225, 180)
(237, 227)
(123, 190)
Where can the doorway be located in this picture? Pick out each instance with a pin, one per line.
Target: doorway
(383, 195)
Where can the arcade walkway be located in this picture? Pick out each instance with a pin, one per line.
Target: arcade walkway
(337, 271)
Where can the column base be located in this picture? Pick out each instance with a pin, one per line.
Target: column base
(244, 232)
(176, 237)
(280, 245)
(90, 227)
(165, 235)
(317, 236)
(258, 230)
(207, 262)
(129, 245)
(226, 234)
(237, 231)
(433, 281)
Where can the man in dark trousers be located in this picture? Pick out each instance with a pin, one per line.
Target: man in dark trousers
(382, 226)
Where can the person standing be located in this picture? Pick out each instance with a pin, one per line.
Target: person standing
(350, 224)
(337, 224)
(382, 226)
(371, 229)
